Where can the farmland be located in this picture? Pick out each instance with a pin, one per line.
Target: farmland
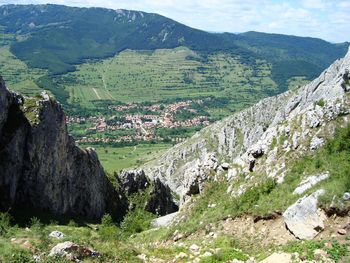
(115, 159)
(144, 76)
(17, 74)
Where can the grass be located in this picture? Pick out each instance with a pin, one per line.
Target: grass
(115, 159)
(124, 242)
(266, 197)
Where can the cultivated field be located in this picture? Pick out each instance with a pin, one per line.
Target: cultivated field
(17, 74)
(114, 159)
(139, 76)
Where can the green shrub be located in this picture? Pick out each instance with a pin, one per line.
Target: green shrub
(341, 142)
(21, 257)
(35, 224)
(5, 223)
(320, 103)
(337, 251)
(137, 221)
(107, 220)
(72, 223)
(305, 249)
(110, 233)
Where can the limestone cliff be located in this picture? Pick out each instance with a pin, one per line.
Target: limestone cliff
(299, 117)
(42, 168)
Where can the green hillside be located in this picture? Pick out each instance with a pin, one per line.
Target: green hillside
(58, 38)
(138, 76)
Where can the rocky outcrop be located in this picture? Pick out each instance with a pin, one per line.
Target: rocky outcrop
(132, 181)
(309, 182)
(303, 218)
(72, 252)
(42, 168)
(246, 139)
(159, 199)
(166, 220)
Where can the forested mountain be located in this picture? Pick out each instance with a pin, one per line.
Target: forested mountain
(58, 37)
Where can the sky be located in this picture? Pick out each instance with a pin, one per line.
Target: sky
(326, 19)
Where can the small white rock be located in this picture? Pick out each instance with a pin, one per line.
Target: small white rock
(194, 248)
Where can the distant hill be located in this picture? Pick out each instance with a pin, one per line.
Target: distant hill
(58, 38)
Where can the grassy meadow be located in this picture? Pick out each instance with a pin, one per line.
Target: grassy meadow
(114, 159)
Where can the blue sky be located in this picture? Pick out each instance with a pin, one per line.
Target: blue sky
(327, 19)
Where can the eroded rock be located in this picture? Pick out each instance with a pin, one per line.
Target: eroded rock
(133, 181)
(72, 251)
(303, 219)
(309, 182)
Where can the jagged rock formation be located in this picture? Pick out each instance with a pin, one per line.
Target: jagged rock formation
(132, 181)
(42, 168)
(159, 200)
(301, 118)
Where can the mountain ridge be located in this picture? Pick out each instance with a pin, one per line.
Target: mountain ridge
(54, 42)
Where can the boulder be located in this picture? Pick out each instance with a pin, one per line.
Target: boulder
(164, 220)
(303, 219)
(194, 248)
(72, 251)
(56, 234)
(346, 196)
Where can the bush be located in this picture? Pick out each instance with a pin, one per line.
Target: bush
(110, 233)
(107, 220)
(72, 223)
(137, 221)
(341, 142)
(5, 223)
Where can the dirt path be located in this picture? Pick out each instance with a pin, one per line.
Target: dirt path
(105, 85)
(97, 95)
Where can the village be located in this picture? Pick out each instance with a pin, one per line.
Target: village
(140, 125)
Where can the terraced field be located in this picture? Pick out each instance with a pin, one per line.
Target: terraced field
(138, 76)
(146, 76)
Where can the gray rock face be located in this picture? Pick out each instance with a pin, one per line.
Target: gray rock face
(132, 181)
(161, 200)
(244, 137)
(316, 143)
(164, 220)
(303, 218)
(309, 182)
(42, 168)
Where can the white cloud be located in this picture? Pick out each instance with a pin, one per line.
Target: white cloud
(317, 18)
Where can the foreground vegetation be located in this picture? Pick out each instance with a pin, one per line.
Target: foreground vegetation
(131, 238)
